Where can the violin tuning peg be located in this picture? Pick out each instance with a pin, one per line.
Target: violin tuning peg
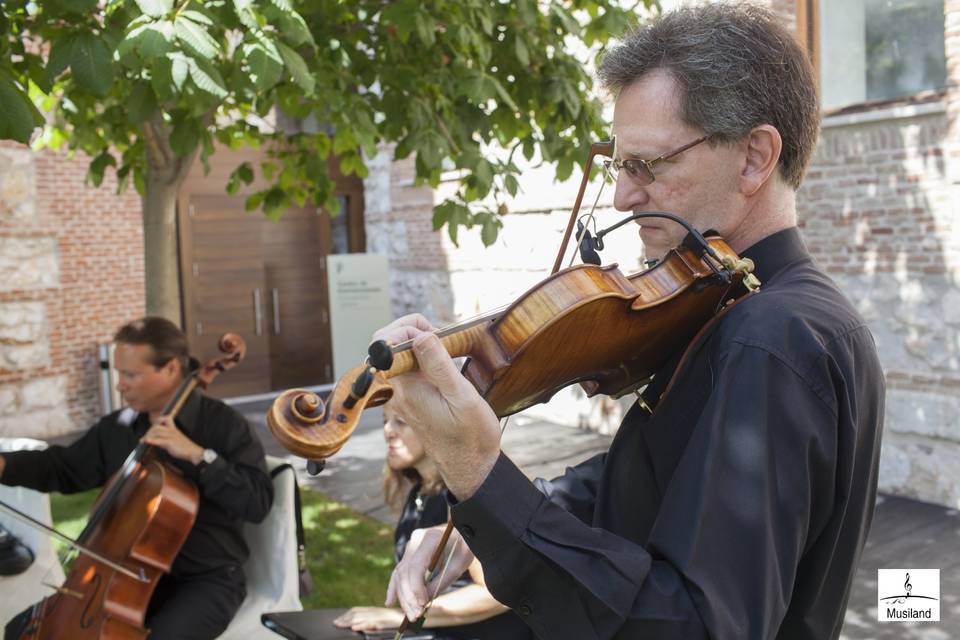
(314, 467)
(380, 355)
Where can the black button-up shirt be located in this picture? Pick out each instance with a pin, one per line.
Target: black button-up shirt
(738, 510)
(233, 489)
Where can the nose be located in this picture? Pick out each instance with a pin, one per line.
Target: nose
(628, 195)
(389, 433)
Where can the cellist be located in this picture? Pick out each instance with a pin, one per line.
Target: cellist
(735, 500)
(210, 443)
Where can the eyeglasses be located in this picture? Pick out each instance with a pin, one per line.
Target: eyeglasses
(641, 171)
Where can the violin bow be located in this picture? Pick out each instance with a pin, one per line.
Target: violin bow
(603, 148)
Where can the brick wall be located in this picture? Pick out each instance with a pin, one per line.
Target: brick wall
(71, 271)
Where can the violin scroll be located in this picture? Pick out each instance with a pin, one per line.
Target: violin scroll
(316, 429)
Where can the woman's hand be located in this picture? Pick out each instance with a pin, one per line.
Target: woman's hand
(370, 619)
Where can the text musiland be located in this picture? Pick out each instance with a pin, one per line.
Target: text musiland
(909, 614)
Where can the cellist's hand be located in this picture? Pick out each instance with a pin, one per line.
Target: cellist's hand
(165, 435)
(458, 429)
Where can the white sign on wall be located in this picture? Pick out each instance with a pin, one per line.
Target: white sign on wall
(359, 286)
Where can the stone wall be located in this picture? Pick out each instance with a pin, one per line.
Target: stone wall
(71, 271)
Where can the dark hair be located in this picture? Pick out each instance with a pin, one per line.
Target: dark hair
(166, 340)
(737, 68)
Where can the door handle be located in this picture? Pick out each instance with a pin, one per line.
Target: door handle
(257, 314)
(276, 311)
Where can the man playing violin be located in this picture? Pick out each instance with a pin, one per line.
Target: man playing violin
(212, 445)
(733, 503)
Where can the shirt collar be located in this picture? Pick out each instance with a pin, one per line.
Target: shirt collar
(776, 251)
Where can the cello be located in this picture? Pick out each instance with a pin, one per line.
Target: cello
(136, 528)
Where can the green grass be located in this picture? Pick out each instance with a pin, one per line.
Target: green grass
(350, 555)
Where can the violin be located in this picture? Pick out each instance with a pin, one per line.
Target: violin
(586, 324)
(138, 524)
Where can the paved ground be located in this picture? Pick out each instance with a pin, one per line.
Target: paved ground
(905, 534)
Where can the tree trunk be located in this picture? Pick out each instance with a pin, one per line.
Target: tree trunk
(165, 174)
(161, 259)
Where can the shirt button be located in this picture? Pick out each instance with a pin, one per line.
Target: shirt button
(467, 531)
(525, 610)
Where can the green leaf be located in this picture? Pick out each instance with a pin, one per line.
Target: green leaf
(18, 116)
(155, 8)
(149, 40)
(60, 55)
(98, 166)
(511, 184)
(295, 30)
(426, 28)
(196, 16)
(179, 69)
(195, 38)
(489, 231)
(266, 65)
(297, 68)
(504, 96)
(142, 103)
(207, 78)
(246, 14)
(520, 48)
(185, 137)
(92, 64)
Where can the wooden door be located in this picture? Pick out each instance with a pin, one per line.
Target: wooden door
(225, 287)
(294, 258)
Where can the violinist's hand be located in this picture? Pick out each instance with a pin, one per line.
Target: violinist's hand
(408, 585)
(370, 619)
(457, 427)
(165, 435)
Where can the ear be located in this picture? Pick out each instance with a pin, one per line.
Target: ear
(172, 369)
(762, 148)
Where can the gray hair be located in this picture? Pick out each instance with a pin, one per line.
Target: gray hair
(737, 69)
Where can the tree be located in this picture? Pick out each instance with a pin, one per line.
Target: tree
(145, 87)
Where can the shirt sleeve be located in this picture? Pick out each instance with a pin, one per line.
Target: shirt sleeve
(238, 481)
(576, 489)
(723, 554)
(71, 469)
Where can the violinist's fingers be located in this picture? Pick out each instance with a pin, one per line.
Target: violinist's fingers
(439, 369)
(403, 328)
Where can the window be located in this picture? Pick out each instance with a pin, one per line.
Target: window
(879, 49)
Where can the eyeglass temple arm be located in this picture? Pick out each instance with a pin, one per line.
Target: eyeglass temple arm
(602, 148)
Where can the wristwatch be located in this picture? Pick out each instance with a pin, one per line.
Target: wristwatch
(208, 457)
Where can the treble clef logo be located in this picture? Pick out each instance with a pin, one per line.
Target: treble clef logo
(906, 587)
